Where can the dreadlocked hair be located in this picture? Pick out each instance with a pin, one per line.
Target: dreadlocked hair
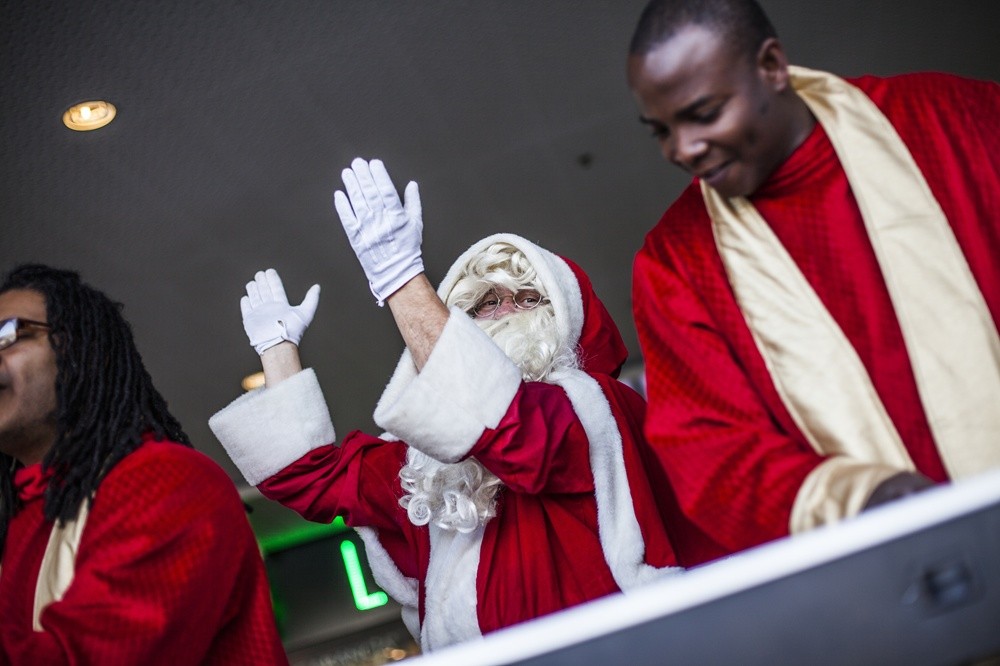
(105, 397)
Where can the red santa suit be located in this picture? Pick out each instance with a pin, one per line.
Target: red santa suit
(566, 528)
(721, 434)
(162, 569)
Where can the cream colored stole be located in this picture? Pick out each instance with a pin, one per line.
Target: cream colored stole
(58, 563)
(949, 334)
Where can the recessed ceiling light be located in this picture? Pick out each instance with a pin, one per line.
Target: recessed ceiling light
(254, 381)
(87, 116)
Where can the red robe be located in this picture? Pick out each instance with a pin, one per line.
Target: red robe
(541, 553)
(167, 572)
(719, 434)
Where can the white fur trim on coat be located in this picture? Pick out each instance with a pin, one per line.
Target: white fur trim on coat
(451, 611)
(465, 387)
(621, 538)
(268, 429)
(403, 589)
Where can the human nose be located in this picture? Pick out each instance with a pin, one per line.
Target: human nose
(505, 305)
(685, 148)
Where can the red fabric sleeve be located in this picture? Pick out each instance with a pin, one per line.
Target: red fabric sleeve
(733, 469)
(539, 446)
(167, 572)
(359, 481)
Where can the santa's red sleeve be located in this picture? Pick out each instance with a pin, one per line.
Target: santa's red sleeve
(539, 446)
(281, 438)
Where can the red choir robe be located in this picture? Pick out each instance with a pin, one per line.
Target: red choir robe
(546, 548)
(719, 434)
(167, 571)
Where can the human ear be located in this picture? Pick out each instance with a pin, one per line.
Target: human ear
(772, 64)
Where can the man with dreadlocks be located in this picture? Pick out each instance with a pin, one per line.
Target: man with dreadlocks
(120, 544)
(517, 491)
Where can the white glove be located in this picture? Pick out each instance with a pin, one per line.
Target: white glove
(384, 233)
(268, 318)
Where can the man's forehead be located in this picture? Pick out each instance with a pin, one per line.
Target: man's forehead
(689, 58)
(26, 303)
(675, 77)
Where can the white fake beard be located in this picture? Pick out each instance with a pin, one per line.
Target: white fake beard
(531, 341)
(462, 496)
(456, 496)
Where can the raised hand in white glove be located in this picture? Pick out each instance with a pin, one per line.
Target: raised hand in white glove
(385, 234)
(268, 318)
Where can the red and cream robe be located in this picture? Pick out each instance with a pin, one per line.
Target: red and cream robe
(837, 327)
(161, 568)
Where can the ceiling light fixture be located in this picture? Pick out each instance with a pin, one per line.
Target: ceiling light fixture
(87, 116)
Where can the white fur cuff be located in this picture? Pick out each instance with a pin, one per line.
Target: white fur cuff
(466, 386)
(268, 429)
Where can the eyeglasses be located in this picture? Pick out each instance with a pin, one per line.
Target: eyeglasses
(526, 299)
(10, 329)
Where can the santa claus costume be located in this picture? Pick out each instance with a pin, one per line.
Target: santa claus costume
(573, 517)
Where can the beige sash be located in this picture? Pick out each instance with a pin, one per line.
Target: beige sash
(58, 563)
(950, 336)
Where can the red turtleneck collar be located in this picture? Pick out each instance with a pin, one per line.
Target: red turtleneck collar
(30, 482)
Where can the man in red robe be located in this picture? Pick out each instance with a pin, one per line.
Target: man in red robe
(508, 485)
(817, 310)
(120, 543)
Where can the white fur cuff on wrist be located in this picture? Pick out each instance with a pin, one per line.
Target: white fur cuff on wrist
(466, 386)
(267, 429)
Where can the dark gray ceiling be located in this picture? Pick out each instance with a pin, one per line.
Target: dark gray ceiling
(236, 117)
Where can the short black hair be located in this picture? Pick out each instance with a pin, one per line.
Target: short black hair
(743, 23)
(106, 400)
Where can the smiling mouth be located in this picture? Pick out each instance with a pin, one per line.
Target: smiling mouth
(710, 174)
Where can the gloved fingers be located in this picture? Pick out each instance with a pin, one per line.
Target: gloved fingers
(411, 201)
(346, 212)
(369, 189)
(275, 286)
(307, 308)
(263, 287)
(383, 184)
(253, 294)
(354, 192)
(245, 307)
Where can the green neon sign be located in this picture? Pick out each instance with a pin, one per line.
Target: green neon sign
(363, 599)
(300, 534)
(273, 541)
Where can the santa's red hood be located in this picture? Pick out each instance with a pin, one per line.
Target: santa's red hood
(602, 349)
